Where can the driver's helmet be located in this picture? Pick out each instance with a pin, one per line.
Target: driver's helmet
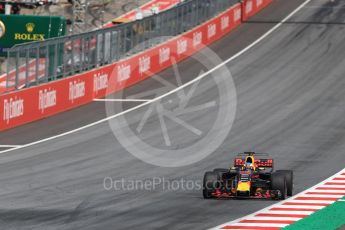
(249, 162)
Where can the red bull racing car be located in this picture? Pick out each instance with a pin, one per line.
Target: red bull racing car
(252, 176)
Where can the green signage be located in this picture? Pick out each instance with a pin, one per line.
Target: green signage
(16, 29)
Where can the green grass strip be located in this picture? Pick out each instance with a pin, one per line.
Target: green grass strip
(329, 218)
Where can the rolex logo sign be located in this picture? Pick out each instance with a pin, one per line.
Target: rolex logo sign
(29, 35)
(20, 28)
(30, 27)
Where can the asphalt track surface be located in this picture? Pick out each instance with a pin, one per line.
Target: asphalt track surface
(290, 91)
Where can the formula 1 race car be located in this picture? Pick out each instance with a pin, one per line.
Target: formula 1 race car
(250, 177)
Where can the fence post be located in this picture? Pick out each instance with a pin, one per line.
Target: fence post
(27, 66)
(37, 64)
(17, 69)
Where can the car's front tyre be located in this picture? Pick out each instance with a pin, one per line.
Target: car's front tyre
(210, 184)
(278, 182)
(289, 180)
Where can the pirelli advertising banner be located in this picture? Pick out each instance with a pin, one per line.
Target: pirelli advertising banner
(16, 29)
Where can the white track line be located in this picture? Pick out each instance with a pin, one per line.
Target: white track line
(256, 225)
(321, 195)
(301, 206)
(10, 146)
(273, 218)
(121, 100)
(341, 176)
(332, 186)
(311, 201)
(268, 33)
(295, 212)
(326, 191)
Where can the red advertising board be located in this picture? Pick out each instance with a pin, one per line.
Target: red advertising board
(31, 104)
(252, 7)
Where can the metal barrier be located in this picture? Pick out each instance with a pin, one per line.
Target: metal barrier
(39, 62)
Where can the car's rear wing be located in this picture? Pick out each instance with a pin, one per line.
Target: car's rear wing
(245, 154)
(267, 163)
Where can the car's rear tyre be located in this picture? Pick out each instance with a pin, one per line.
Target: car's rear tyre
(289, 180)
(210, 184)
(278, 182)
